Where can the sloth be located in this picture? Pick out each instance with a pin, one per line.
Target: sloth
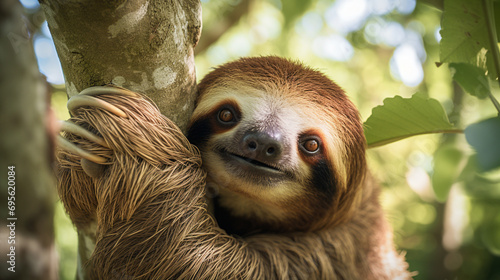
(284, 151)
(291, 196)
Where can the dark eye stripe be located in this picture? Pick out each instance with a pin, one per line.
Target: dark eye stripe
(323, 178)
(199, 132)
(205, 126)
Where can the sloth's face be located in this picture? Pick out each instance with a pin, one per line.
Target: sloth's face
(260, 146)
(280, 142)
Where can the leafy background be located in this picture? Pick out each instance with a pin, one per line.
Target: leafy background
(414, 68)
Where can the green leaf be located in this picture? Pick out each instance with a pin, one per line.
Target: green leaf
(400, 118)
(449, 161)
(464, 33)
(471, 78)
(484, 136)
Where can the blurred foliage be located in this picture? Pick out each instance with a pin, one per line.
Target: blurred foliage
(445, 213)
(67, 240)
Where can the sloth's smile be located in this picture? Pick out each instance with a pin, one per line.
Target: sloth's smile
(254, 162)
(250, 168)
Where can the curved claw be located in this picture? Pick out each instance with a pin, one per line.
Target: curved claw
(68, 146)
(78, 101)
(85, 98)
(91, 164)
(75, 129)
(98, 90)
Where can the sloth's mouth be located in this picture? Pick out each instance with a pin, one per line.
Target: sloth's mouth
(254, 162)
(253, 171)
(239, 163)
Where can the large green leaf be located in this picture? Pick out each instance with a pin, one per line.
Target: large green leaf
(400, 118)
(471, 78)
(484, 136)
(464, 33)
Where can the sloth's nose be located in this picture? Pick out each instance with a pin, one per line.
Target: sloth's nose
(262, 146)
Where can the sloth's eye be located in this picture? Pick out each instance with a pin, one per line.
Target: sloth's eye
(226, 115)
(310, 144)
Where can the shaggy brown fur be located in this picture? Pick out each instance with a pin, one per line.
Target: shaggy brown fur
(153, 223)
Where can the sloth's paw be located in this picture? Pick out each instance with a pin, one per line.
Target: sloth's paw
(91, 163)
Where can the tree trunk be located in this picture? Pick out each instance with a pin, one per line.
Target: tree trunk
(145, 46)
(27, 187)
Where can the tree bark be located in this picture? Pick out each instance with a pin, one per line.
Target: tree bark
(27, 231)
(145, 45)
